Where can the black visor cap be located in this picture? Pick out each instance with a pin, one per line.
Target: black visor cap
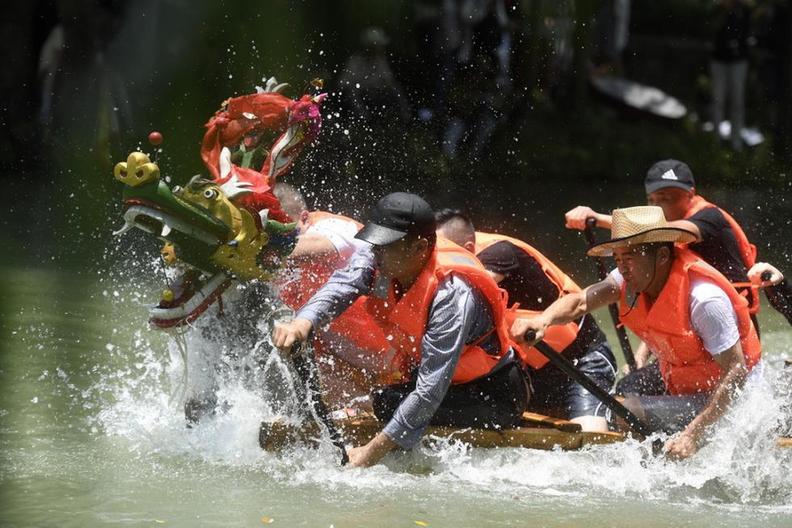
(395, 216)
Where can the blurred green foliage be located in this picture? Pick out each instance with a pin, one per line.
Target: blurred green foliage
(172, 64)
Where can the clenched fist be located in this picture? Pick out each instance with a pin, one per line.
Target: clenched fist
(284, 336)
(523, 325)
(760, 268)
(576, 218)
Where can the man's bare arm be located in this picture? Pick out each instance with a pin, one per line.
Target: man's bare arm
(576, 218)
(733, 375)
(311, 246)
(642, 355)
(568, 308)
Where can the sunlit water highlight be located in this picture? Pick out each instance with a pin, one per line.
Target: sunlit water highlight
(91, 434)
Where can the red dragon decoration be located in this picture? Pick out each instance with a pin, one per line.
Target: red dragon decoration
(241, 121)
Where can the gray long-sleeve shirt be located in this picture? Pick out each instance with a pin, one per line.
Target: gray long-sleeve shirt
(459, 315)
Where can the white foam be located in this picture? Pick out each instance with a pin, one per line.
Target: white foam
(739, 467)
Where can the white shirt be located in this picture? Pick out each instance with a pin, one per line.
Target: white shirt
(712, 315)
(340, 233)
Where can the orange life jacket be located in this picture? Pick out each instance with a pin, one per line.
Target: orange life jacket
(747, 250)
(296, 291)
(559, 337)
(353, 335)
(665, 327)
(404, 320)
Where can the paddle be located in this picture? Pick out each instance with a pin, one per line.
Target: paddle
(566, 366)
(765, 278)
(306, 370)
(624, 341)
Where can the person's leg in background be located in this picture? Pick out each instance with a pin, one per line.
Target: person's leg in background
(718, 74)
(737, 74)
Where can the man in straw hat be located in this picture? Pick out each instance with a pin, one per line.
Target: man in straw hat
(720, 240)
(687, 312)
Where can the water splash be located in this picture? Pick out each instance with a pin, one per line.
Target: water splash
(740, 466)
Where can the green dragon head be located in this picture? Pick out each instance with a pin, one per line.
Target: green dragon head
(230, 226)
(205, 230)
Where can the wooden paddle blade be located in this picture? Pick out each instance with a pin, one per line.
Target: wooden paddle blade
(549, 421)
(275, 436)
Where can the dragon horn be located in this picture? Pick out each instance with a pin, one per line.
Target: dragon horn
(195, 179)
(225, 162)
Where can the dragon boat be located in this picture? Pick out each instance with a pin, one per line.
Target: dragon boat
(229, 228)
(536, 431)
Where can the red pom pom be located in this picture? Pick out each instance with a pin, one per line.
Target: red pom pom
(155, 138)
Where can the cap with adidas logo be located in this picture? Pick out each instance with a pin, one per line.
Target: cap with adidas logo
(669, 173)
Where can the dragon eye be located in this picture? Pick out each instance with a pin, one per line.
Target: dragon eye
(177, 189)
(210, 193)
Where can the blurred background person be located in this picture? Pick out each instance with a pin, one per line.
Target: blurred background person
(729, 66)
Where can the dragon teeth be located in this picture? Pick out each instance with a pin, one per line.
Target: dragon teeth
(166, 229)
(126, 227)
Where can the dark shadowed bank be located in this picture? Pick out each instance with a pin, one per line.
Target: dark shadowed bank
(516, 145)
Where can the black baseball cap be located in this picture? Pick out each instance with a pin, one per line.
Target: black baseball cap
(669, 173)
(395, 216)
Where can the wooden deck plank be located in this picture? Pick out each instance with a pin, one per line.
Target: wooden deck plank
(277, 435)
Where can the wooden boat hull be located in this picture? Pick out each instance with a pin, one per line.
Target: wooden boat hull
(274, 436)
(536, 433)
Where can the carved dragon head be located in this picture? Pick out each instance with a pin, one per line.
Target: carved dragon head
(230, 226)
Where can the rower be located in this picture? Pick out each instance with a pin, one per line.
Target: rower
(688, 313)
(720, 241)
(325, 243)
(444, 316)
(533, 282)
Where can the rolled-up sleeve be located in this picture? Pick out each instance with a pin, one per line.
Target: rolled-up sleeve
(458, 316)
(342, 289)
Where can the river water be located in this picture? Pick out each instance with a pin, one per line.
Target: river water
(91, 434)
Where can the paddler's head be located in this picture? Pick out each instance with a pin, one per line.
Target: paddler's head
(401, 227)
(292, 202)
(453, 225)
(670, 185)
(642, 244)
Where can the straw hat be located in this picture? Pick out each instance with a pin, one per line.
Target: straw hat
(645, 224)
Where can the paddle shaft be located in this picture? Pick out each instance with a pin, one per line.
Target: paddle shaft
(306, 370)
(624, 341)
(765, 278)
(566, 366)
